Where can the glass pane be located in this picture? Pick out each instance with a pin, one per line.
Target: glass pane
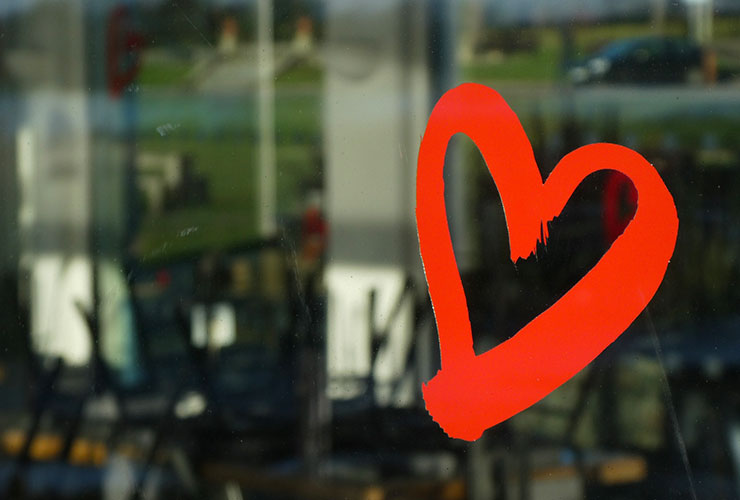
(210, 277)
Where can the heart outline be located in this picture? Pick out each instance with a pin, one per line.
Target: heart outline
(472, 393)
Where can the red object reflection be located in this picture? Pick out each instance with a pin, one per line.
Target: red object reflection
(620, 203)
(123, 46)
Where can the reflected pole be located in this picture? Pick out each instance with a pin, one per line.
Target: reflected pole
(700, 14)
(266, 116)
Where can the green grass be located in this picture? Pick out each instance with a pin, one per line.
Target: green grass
(723, 28)
(540, 65)
(227, 219)
(163, 73)
(173, 73)
(300, 74)
(191, 230)
(590, 38)
(226, 155)
(688, 133)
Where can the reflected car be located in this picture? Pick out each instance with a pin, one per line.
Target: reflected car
(641, 60)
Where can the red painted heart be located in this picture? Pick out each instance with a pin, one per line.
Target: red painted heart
(474, 392)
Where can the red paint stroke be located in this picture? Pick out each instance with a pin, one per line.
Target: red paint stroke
(474, 392)
(620, 203)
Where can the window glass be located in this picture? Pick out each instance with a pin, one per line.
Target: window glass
(210, 272)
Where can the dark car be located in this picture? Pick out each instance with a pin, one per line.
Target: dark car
(641, 60)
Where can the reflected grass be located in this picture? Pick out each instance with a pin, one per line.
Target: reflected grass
(220, 134)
